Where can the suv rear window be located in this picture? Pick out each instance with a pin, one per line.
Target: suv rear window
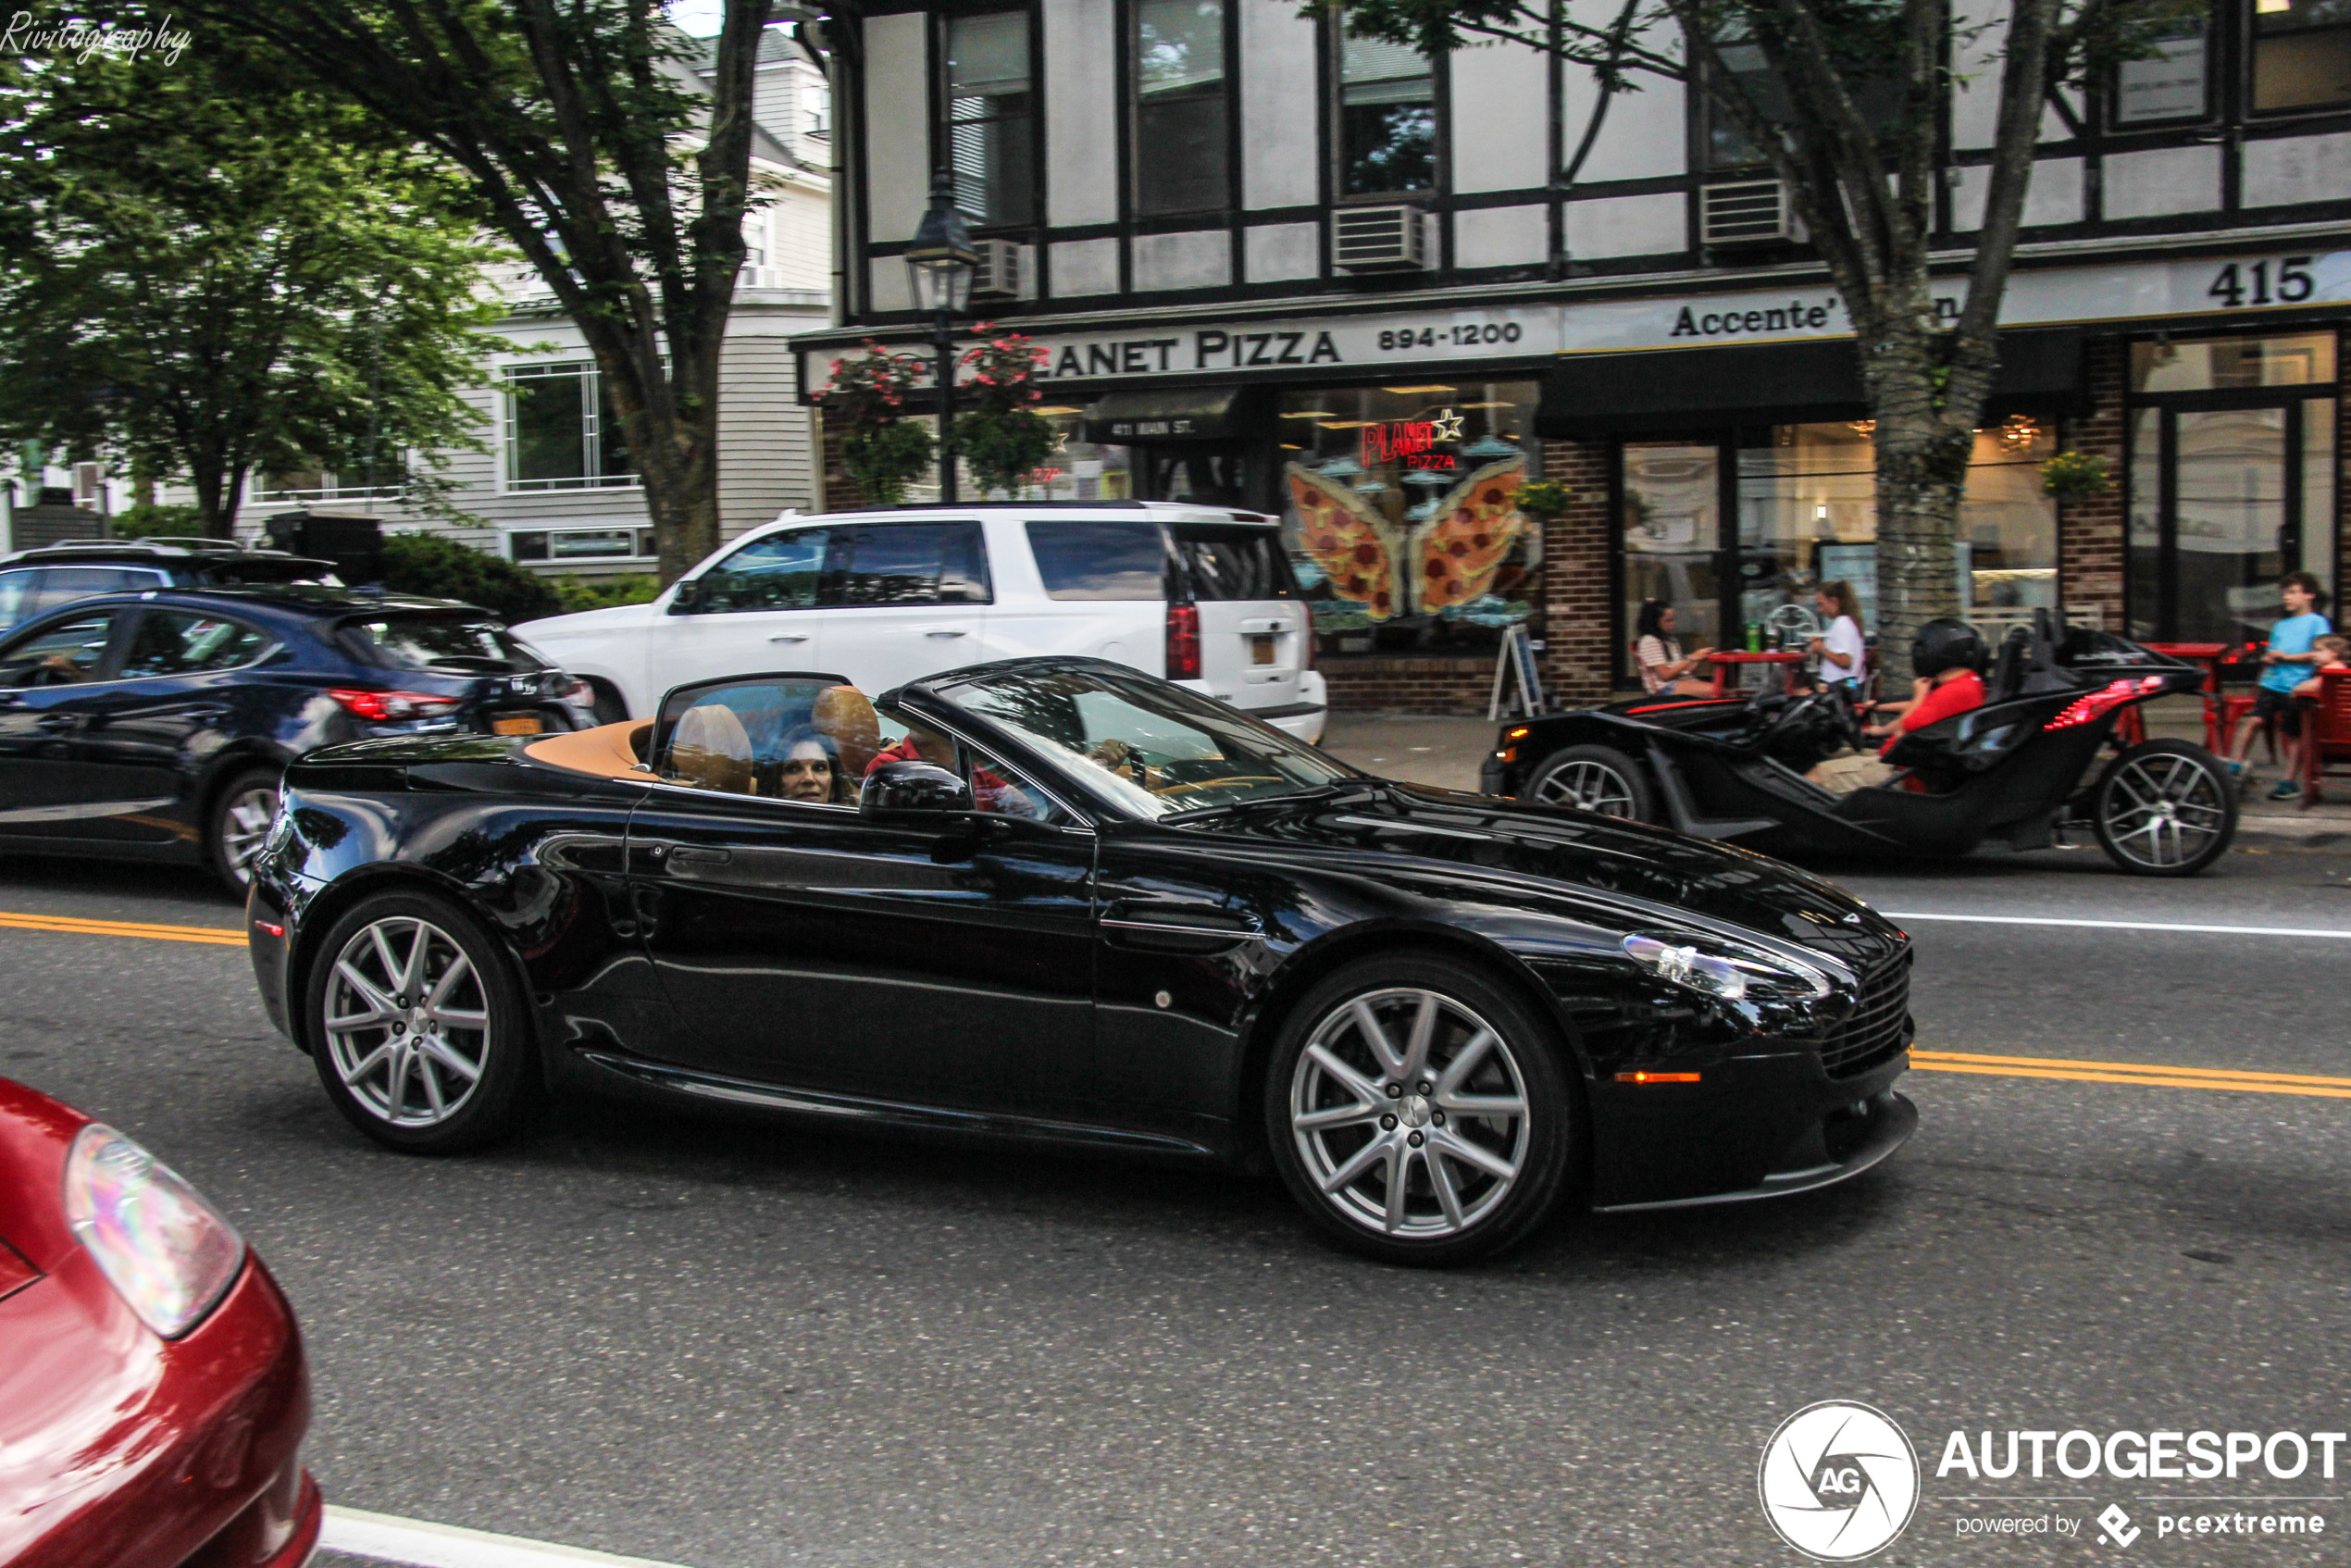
(447, 642)
(1081, 560)
(1234, 563)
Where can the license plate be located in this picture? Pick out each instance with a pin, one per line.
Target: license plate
(516, 724)
(1261, 648)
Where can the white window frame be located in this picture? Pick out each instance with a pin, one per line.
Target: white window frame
(640, 533)
(591, 412)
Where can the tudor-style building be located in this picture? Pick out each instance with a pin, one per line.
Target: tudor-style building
(1281, 267)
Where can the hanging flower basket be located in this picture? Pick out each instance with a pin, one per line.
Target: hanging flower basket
(2076, 476)
(1002, 441)
(866, 400)
(1544, 498)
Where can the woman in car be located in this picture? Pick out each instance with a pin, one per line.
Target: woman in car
(807, 771)
(1945, 658)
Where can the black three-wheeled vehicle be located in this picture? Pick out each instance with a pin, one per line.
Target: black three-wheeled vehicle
(2039, 757)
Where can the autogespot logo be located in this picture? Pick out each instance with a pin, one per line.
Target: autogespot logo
(1838, 1481)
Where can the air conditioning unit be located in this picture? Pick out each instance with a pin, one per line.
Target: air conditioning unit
(1004, 271)
(1745, 212)
(1378, 240)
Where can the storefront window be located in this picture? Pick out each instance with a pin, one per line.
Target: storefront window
(1806, 499)
(1078, 469)
(2231, 481)
(1399, 514)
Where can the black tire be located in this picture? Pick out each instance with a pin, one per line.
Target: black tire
(236, 822)
(2164, 808)
(1479, 1212)
(610, 709)
(1597, 778)
(401, 1097)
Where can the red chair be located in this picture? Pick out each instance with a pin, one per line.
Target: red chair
(2326, 735)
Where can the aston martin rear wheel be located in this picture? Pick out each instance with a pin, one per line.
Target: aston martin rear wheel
(419, 1032)
(2164, 808)
(1419, 1113)
(1598, 778)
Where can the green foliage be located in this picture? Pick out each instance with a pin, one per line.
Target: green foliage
(1003, 372)
(1546, 499)
(2076, 476)
(147, 519)
(869, 391)
(605, 593)
(213, 278)
(440, 567)
(885, 459)
(1004, 448)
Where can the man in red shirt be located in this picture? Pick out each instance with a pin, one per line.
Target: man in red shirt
(1945, 656)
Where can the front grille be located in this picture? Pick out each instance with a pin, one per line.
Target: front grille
(1880, 1024)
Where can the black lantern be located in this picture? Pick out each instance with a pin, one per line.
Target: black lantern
(939, 267)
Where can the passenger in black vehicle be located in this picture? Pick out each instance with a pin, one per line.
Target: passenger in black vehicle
(805, 771)
(1945, 656)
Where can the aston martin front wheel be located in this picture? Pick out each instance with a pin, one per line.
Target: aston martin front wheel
(1419, 1113)
(419, 1034)
(1598, 778)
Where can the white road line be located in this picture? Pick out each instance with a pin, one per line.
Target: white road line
(415, 1544)
(2122, 925)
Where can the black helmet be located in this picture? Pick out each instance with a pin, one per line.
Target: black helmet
(1946, 644)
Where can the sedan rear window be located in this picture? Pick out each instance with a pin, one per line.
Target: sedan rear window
(450, 643)
(1081, 560)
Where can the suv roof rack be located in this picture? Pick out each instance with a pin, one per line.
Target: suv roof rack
(1023, 505)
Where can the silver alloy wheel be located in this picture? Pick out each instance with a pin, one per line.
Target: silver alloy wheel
(1587, 786)
(244, 824)
(2164, 809)
(408, 1022)
(1410, 1113)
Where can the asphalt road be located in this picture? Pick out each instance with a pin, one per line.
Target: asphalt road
(730, 1346)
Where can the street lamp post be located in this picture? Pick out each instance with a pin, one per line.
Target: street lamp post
(940, 266)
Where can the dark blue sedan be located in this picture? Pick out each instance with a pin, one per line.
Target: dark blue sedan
(155, 725)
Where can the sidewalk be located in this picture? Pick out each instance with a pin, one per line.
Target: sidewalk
(1424, 748)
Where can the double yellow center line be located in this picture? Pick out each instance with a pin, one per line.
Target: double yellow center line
(2138, 1073)
(2141, 1074)
(219, 936)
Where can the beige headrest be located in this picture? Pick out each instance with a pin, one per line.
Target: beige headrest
(712, 750)
(843, 716)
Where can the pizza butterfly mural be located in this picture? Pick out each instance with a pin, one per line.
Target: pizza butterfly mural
(1448, 559)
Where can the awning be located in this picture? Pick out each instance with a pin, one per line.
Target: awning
(1786, 384)
(1167, 414)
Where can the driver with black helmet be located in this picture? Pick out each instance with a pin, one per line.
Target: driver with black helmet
(1946, 656)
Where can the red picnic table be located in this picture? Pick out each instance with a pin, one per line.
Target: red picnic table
(2219, 721)
(1723, 662)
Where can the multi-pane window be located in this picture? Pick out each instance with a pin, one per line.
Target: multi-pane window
(2301, 54)
(991, 117)
(2170, 80)
(1726, 143)
(560, 430)
(1183, 117)
(582, 544)
(1387, 118)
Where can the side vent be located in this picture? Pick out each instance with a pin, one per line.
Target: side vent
(1378, 240)
(1745, 212)
(1004, 271)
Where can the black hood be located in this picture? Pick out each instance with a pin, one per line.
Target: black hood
(1583, 854)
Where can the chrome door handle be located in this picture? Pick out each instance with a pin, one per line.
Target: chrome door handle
(790, 637)
(57, 723)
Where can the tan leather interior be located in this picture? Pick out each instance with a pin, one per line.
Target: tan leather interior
(711, 750)
(844, 716)
(604, 750)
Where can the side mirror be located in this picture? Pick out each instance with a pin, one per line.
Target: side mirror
(899, 790)
(687, 599)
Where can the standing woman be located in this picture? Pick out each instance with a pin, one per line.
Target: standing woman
(1664, 672)
(1840, 649)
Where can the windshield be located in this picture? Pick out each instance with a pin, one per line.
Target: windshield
(445, 642)
(1155, 750)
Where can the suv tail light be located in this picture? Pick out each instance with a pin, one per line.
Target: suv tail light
(1306, 641)
(380, 707)
(1183, 641)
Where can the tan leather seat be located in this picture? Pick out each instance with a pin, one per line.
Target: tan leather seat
(843, 716)
(711, 750)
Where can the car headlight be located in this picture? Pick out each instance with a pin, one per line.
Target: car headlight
(166, 1253)
(1731, 978)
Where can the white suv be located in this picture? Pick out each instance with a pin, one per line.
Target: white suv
(1201, 595)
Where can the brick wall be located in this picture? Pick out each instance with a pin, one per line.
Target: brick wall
(1410, 684)
(1576, 613)
(2090, 533)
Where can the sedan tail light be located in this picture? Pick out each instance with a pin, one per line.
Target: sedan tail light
(1183, 641)
(380, 706)
(578, 694)
(167, 1254)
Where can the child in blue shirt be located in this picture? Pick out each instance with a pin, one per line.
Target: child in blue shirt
(2285, 664)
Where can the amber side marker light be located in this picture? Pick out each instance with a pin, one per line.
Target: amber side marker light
(1657, 1077)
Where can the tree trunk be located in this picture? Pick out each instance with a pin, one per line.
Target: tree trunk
(1921, 472)
(679, 467)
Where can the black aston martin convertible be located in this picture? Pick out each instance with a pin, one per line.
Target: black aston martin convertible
(1057, 900)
